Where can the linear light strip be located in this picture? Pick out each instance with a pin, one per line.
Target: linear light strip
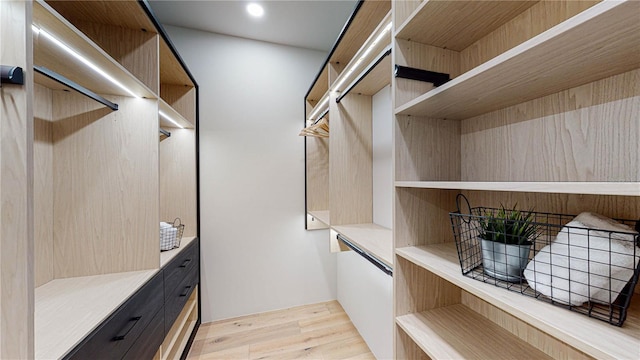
(316, 110)
(170, 119)
(82, 59)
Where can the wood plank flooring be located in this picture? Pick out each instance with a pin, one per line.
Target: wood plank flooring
(320, 331)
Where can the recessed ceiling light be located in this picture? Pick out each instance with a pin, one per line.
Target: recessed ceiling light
(255, 10)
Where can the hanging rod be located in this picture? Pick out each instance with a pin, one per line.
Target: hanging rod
(322, 115)
(410, 73)
(79, 88)
(372, 259)
(366, 72)
(164, 132)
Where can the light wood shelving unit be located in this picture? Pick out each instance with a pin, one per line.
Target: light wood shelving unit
(539, 112)
(102, 181)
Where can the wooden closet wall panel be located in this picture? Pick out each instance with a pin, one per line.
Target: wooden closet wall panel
(350, 167)
(16, 192)
(105, 185)
(402, 10)
(317, 173)
(43, 184)
(588, 133)
(533, 21)
(178, 179)
(136, 50)
(182, 98)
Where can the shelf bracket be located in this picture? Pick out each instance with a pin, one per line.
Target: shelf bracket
(11, 75)
(372, 259)
(79, 88)
(164, 132)
(386, 52)
(410, 73)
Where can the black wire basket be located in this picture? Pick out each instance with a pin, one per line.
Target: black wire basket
(589, 270)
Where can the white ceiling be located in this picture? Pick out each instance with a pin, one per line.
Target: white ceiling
(313, 24)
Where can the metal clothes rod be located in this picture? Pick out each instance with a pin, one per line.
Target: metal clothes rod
(79, 88)
(165, 132)
(436, 78)
(372, 259)
(366, 72)
(323, 114)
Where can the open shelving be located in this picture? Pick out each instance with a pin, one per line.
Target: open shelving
(374, 239)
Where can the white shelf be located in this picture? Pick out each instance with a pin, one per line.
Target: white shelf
(601, 41)
(374, 239)
(589, 188)
(455, 25)
(67, 310)
(321, 215)
(166, 256)
(593, 337)
(457, 332)
(173, 114)
(48, 54)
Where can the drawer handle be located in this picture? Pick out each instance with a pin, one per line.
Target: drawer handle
(185, 263)
(186, 291)
(133, 321)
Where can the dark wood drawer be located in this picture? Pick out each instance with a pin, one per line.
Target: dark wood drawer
(149, 342)
(177, 298)
(116, 335)
(176, 270)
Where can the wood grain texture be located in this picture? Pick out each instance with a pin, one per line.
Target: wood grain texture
(127, 14)
(583, 134)
(457, 24)
(607, 32)
(529, 23)
(43, 185)
(67, 310)
(425, 57)
(427, 149)
(317, 331)
(181, 98)
(575, 330)
(319, 87)
(373, 239)
(173, 114)
(178, 198)
(538, 339)
(317, 173)
(105, 185)
(402, 10)
(51, 56)
(174, 343)
(319, 219)
(171, 72)
(350, 160)
(457, 332)
(16, 186)
(406, 348)
(375, 80)
(136, 50)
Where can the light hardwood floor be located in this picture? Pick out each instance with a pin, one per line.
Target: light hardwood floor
(320, 331)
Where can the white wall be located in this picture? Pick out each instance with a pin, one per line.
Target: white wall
(256, 255)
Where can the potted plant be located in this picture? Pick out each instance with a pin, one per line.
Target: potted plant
(506, 236)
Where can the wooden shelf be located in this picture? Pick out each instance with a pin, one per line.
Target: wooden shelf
(49, 54)
(173, 114)
(455, 25)
(374, 239)
(319, 88)
(321, 215)
(67, 310)
(376, 79)
(573, 329)
(457, 332)
(601, 41)
(171, 71)
(593, 188)
(166, 256)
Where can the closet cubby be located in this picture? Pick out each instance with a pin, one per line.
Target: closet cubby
(539, 113)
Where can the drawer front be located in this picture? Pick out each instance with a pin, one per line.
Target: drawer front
(176, 270)
(149, 342)
(178, 297)
(115, 336)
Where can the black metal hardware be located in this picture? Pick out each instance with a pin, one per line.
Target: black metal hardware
(11, 75)
(436, 78)
(79, 88)
(185, 263)
(133, 321)
(386, 52)
(372, 259)
(165, 132)
(186, 291)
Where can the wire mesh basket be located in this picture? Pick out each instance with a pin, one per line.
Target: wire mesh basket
(171, 234)
(586, 269)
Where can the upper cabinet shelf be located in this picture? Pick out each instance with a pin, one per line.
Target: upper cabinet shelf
(171, 71)
(62, 48)
(171, 118)
(455, 25)
(601, 41)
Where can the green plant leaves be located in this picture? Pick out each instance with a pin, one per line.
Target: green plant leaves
(508, 226)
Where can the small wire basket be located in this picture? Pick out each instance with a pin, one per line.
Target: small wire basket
(170, 236)
(592, 271)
